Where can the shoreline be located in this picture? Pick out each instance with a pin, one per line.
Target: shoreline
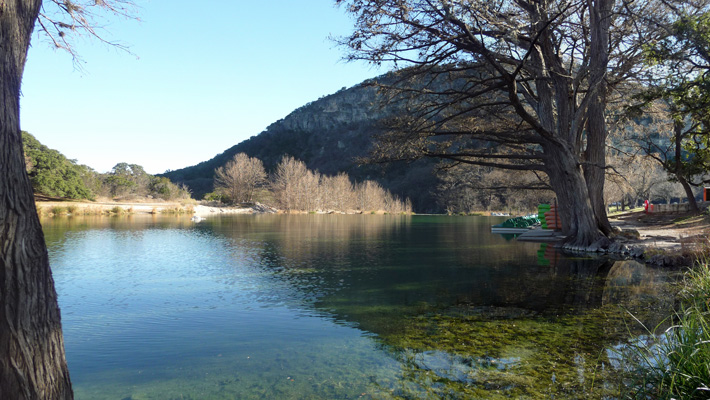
(663, 239)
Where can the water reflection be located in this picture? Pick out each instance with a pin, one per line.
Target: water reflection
(266, 306)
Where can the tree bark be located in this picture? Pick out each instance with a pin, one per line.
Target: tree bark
(32, 361)
(689, 193)
(678, 131)
(595, 153)
(574, 206)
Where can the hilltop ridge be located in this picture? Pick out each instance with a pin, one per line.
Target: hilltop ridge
(328, 134)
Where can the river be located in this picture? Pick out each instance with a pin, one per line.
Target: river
(339, 307)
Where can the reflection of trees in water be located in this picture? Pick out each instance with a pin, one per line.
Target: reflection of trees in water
(56, 229)
(381, 300)
(472, 352)
(313, 254)
(376, 270)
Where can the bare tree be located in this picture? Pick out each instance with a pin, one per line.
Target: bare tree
(521, 85)
(32, 360)
(240, 177)
(466, 188)
(668, 190)
(296, 188)
(286, 183)
(338, 193)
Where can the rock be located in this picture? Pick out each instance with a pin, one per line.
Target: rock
(636, 251)
(614, 247)
(668, 261)
(600, 245)
(263, 208)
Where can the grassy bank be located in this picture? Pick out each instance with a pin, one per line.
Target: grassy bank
(675, 363)
(61, 207)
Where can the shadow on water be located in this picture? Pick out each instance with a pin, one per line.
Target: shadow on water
(364, 307)
(465, 316)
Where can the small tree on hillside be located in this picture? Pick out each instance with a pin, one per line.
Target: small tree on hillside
(239, 178)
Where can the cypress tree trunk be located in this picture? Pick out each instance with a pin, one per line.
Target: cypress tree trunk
(595, 153)
(573, 202)
(32, 361)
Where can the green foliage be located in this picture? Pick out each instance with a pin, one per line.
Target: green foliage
(682, 61)
(676, 363)
(132, 180)
(58, 210)
(215, 196)
(52, 174)
(127, 179)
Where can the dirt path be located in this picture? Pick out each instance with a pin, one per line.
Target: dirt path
(667, 231)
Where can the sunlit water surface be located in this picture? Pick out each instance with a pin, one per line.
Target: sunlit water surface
(337, 307)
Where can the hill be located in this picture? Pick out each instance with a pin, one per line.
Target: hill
(328, 134)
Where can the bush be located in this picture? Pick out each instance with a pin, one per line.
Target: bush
(58, 210)
(118, 210)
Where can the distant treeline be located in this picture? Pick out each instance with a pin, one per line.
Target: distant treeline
(52, 174)
(293, 187)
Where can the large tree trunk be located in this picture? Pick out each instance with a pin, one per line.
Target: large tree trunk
(689, 193)
(576, 213)
(32, 362)
(595, 153)
(678, 167)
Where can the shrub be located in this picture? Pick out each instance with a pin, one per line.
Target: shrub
(58, 210)
(117, 210)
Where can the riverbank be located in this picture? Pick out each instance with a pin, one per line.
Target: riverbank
(48, 206)
(666, 239)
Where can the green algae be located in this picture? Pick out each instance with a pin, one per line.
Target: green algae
(563, 357)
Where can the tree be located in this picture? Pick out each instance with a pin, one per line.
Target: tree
(32, 361)
(338, 192)
(294, 186)
(520, 85)
(240, 177)
(682, 61)
(51, 173)
(466, 188)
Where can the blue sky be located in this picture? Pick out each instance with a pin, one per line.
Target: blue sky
(203, 77)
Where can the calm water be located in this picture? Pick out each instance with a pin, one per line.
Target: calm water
(337, 307)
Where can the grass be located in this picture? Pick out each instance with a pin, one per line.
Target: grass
(627, 211)
(178, 210)
(57, 210)
(676, 362)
